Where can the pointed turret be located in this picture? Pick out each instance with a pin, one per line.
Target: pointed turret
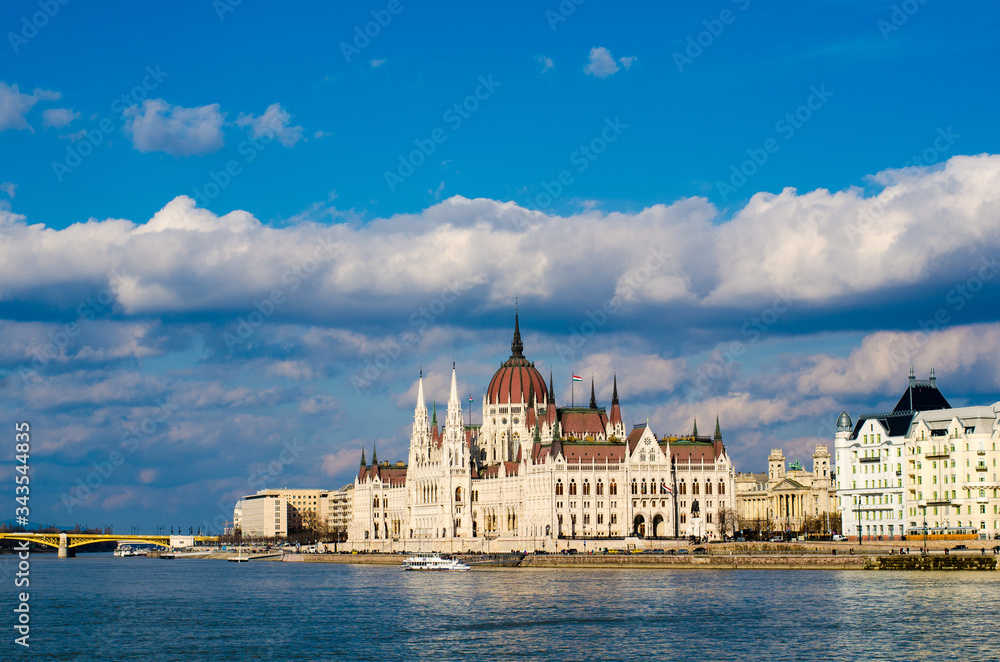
(718, 430)
(453, 395)
(593, 400)
(374, 456)
(421, 407)
(363, 463)
(434, 417)
(552, 393)
(615, 425)
(516, 346)
(694, 432)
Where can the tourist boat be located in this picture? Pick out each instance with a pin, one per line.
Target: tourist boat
(129, 550)
(433, 563)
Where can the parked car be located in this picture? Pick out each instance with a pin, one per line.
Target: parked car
(700, 550)
(683, 551)
(777, 539)
(672, 552)
(958, 547)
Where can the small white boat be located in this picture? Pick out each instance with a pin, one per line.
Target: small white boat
(433, 563)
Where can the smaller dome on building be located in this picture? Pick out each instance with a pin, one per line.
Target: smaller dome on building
(844, 423)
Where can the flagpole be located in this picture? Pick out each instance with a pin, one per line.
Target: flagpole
(572, 387)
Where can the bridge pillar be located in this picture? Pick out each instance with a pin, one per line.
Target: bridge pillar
(64, 549)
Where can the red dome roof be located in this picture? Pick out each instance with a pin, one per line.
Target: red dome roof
(517, 379)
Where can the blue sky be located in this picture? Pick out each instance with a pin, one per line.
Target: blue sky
(775, 202)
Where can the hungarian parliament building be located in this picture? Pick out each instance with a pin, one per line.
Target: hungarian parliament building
(536, 476)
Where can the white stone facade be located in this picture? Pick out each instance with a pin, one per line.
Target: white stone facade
(535, 476)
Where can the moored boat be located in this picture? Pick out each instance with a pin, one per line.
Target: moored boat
(433, 563)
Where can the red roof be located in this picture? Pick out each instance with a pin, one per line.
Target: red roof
(586, 453)
(583, 422)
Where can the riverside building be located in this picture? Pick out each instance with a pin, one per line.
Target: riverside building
(789, 500)
(538, 476)
(870, 455)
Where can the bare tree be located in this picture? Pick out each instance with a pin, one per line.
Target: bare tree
(727, 521)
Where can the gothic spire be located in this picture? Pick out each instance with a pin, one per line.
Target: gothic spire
(593, 400)
(420, 396)
(363, 463)
(614, 392)
(718, 430)
(516, 346)
(374, 456)
(694, 432)
(552, 393)
(434, 418)
(453, 397)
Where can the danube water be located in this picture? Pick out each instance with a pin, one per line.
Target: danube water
(98, 607)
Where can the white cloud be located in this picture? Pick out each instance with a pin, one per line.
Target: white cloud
(272, 124)
(9, 188)
(58, 117)
(157, 126)
(188, 259)
(602, 64)
(377, 63)
(546, 62)
(14, 105)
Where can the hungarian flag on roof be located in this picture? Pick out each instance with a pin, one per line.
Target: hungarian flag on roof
(577, 379)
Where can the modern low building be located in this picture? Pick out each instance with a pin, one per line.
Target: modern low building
(788, 499)
(264, 515)
(303, 508)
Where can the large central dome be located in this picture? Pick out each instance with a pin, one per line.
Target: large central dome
(517, 379)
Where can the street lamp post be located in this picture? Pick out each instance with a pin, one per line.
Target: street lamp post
(860, 536)
(923, 506)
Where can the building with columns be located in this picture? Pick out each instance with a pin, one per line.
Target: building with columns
(535, 475)
(788, 499)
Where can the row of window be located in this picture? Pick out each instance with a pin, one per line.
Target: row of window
(612, 487)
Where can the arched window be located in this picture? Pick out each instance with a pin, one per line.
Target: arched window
(643, 485)
(694, 487)
(458, 494)
(600, 488)
(613, 488)
(559, 488)
(375, 505)
(682, 488)
(572, 488)
(635, 486)
(708, 488)
(586, 488)
(722, 487)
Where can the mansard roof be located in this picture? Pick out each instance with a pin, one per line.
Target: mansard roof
(919, 396)
(391, 474)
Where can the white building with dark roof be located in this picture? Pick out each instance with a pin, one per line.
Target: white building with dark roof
(538, 476)
(870, 457)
